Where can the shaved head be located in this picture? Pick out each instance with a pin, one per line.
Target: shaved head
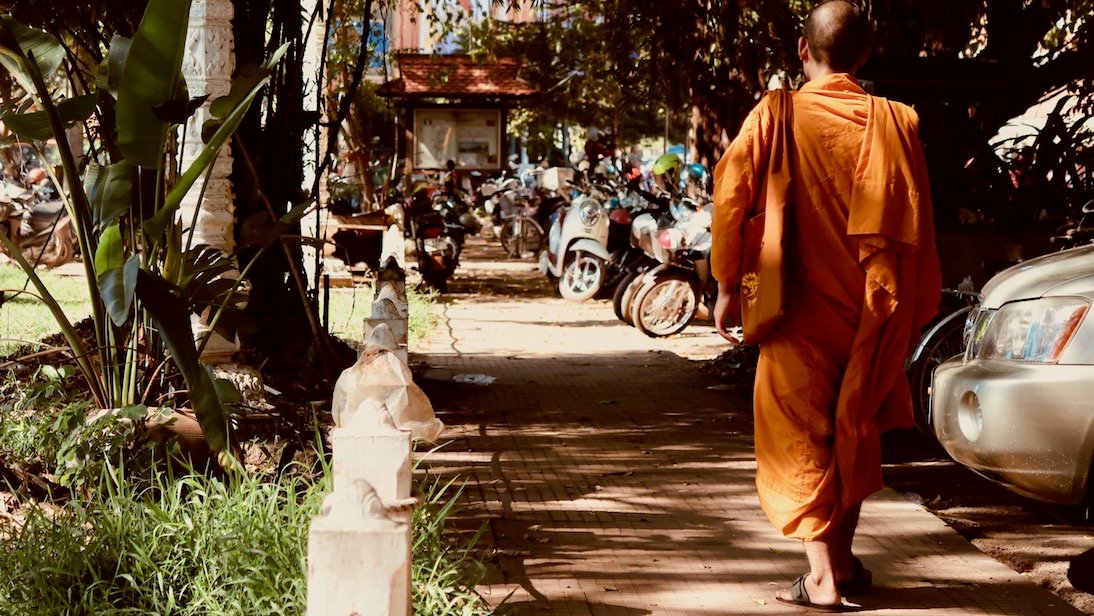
(838, 34)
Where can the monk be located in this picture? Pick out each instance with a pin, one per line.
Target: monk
(861, 280)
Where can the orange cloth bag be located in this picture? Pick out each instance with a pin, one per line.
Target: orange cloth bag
(764, 239)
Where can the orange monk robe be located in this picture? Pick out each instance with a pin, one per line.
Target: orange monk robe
(862, 280)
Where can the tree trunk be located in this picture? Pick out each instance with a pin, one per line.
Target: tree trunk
(714, 123)
(269, 177)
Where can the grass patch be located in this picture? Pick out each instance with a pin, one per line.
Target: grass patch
(191, 545)
(349, 307)
(195, 545)
(24, 319)
(144, 541)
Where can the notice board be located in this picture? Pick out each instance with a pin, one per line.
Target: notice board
(471, 137)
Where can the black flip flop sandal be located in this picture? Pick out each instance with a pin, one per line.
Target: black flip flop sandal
(800, 598)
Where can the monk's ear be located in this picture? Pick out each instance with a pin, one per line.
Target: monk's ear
(803, 49)
(862, 60)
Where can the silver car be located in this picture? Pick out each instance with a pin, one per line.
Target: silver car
(1018, 406)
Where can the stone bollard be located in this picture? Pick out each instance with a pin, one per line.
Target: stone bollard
(360, 562)
(393, 249)
(378, 380)
(392, 276)
(390, 294)
(387, 311)
(358, 556)
(395, 291)
(373, 449)
(392, 315)
(359, 546)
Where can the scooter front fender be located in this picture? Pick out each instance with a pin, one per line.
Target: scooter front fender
(592, 247)
(962, 314)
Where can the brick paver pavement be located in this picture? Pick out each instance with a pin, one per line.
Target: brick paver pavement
(613, 481)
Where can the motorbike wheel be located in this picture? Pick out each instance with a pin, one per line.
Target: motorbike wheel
(665, 306)
(528, 240)
(59, 249)
(582, 277)
(437, 282)
(945, 341)
(620, 296)
(627, 303)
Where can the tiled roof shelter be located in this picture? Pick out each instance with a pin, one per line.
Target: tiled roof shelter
(456, 76)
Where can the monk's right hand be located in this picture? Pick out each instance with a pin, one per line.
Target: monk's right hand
(727, 303)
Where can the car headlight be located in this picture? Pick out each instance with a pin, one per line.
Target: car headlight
(1033, 331)
(975, 328)
(590, 212)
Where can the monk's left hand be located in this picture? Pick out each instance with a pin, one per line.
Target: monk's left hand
(727, 301)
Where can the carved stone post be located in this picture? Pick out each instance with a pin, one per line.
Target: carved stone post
(208, 65)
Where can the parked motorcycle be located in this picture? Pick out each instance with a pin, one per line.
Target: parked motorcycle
(666, 298)
(439, 224)
(648, 248)
(577, 247)
(36, 220)
(582, 239)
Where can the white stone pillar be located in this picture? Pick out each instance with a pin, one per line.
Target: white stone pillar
(316, 223)
(207, 66)
(358, 557)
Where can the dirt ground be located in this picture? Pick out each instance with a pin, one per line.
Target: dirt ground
(1052, 546)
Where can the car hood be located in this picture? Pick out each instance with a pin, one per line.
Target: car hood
(1058, 271)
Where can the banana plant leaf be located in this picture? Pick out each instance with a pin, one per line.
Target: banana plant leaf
(208, 397)
(35, 126)
(118, 286)
(110, 252)
(94, 184)
(109, 77)
(20, 47)
(156, 225)
(117, 194)
(152, 77)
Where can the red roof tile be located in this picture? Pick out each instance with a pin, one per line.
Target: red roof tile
(457, 76)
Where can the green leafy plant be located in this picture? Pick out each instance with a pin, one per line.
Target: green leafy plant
(46, 434)
(444, 575)
(144, 277)
(27, 434)
(129, 550)
(146, 550)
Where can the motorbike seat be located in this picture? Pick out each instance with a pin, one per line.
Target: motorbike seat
(47, 209)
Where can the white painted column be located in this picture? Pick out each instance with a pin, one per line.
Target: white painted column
(208, 65)
(315, 224)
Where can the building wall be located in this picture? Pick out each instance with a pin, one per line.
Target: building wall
(410, 30)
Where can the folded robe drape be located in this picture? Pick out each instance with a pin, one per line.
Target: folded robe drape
(862, 279)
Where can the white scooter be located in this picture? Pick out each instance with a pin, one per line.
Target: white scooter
(577, 253)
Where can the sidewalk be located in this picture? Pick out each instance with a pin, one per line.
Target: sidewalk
(612, 481)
